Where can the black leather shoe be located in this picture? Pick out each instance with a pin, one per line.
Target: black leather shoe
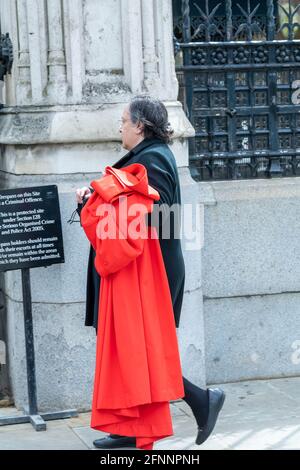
(114, 441)
(216, 398)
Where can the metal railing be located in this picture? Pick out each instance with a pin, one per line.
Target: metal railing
(238, 66)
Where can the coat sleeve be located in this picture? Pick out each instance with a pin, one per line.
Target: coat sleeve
(117, 241)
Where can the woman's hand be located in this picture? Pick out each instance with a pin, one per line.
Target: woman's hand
(81, 193)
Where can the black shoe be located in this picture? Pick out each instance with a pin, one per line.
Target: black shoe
(114, 441)
(216, 398)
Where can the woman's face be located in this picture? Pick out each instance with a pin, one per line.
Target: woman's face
(132, 134)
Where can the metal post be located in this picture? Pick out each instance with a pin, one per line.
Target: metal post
(29, 342)
(270, 21)
(228, 9)
(274, 167)
(36, 420)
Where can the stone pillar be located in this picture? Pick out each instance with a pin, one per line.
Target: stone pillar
(150, 59)
(57, 85)
(24, 82)
(35, 51)
(191, 329)
(73, 26)
(132, 44)
(148, 48)
(164, 47)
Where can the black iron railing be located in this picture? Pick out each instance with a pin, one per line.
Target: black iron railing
(238, 67)
(6, 57)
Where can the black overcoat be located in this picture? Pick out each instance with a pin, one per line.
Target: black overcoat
(161, 167)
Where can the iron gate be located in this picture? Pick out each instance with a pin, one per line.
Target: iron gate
(238, 63)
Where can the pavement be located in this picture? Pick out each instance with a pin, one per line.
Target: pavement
(257, 415)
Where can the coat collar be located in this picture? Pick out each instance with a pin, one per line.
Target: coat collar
(145, 143)
(135, 150)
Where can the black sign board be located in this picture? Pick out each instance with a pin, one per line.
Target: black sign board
(30, 228)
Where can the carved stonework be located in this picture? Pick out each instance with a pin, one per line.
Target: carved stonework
(76, 51)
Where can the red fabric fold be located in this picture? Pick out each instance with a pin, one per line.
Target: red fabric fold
(138, 368)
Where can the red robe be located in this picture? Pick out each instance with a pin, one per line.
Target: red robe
(138, 368)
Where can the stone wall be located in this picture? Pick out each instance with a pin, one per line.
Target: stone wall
(251, 279)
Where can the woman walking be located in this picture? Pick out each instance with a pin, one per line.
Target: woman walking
(145, 134)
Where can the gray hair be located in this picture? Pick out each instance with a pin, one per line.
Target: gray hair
(153, 115)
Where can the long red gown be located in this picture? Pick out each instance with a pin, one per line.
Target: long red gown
(138, 368)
